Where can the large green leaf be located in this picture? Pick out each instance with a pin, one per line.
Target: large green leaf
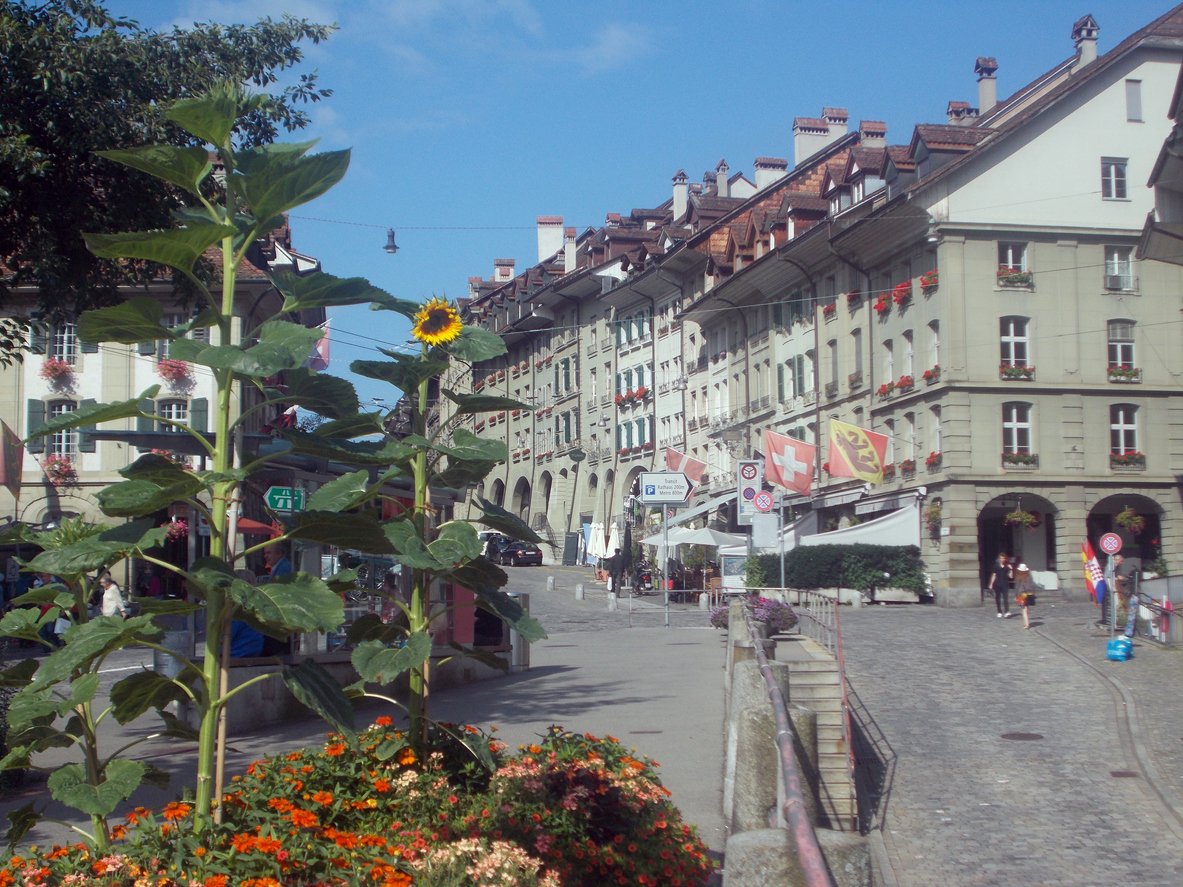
(320, 290)
(281, 346)
(405, 307)
(349, 452)
(456, 542)
(411, 551)
(145, 690)
(325, 395)
(483, 403)
(69, 785)
(134, 498)
(94, 413)
(186, 167)
(370, 627)
(468, 447)
(178, 248)
(89, 640)
(316, 688)
(98, 552)
(20, 675)
(156, 468)
(175, 728)
(156, 606)
(347, 491)
(497, 518)
(20, 822)
(342, 581)
(479, 575)
(379, 664)
(292, 603)
(359, 425)
(209, 116)
(403, 371)
(285, 181)
(459, 474)
(476, 343)
(511, 611)
(25, 623)
(139, 319)
(56, 594)
(358, 531)
(33, 707)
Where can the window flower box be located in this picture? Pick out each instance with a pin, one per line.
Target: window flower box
(886, 389)
(829, 312)
(889, 472)
(1020, 460)
(515, 371)
(549, 359)
(1130, 461)
(635, 450)
(933, 461)
(1015, 373)
(931, 377)
(930, 280)
(526, 451)
(524, 365)
(478, 385)
(623, 451)
(641, 393)
(826, 467)
(1014, 277)
(905, 383)
(901, 292)
(908, 468)
(647, 446)
(480, 426)
(501, 374)
(853, 298)
(501, 415)
(1125, 375)
(855, 380)
(722, 355)
(883, 305)
(491, 378)
(59, 470)
(831, 389)
(621, 400)
(56, 371)
(538, 364)
(516, 414)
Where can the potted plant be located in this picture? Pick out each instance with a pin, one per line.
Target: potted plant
(831, 389)
(176, 530)
(641, 392)
(886, 389)
(621, 400)
(623, 451)
(1125, 374)
(647, 445)
(1020, 518)
(889, 471)
(934, 375)
(933, 460)
(1011, 373)
(630, 396)
(1008, 276)
(1021, 460)
(829, 311)
(1132, 459)
(56, 371)
(908, 467)
(538, 364)
(59, 470)
(826, 467)
(905, 383)
(478, 384)
(901, 292)
(853, 297)
(1128, 519)
(929, 280)
(549, 359)
(855, 379)
(883, 305)
(932, 516)
(173, 371)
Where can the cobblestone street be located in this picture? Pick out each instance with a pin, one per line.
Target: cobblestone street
(968, 807)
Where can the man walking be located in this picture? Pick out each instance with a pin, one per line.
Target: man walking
(616, 571)
(1125, 580)
(1000, 584)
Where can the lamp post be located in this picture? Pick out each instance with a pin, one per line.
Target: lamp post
(576, 455)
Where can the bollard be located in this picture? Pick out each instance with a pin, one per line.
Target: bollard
(704, 601)
(578, 591)
(611, 602)
(178, 642)
(550, 583)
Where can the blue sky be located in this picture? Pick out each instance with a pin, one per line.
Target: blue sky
(470, 118)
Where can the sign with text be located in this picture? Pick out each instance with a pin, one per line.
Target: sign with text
(285, 499)
(751, 480)
(664, 488)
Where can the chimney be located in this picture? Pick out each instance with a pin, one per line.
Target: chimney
(708, 181)
(961, 114)
(872, 133)
(1084, 35)
(987, 83)
(680, 181)
(550, 236)
(568, 250)
(474, 287)
(722, 186)
(769, 170)
(502, 270)
(812, 134)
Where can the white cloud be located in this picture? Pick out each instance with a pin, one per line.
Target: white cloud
(613, 46)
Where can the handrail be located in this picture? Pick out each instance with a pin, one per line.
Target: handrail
(846, 731)
(809, 852)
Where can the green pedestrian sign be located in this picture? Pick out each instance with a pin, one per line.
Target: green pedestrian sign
(285, 499)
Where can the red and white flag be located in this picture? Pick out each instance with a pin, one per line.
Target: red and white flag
(688, 465)
(318, 360)
(788, 462)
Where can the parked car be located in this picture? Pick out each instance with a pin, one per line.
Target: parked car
(519, 554)
(492, 545)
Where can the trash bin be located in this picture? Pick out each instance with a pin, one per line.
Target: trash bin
(181, 643)
(519, 647)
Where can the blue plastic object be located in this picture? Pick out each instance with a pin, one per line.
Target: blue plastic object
(1119, 649)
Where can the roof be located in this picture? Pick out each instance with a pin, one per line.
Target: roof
(941, 137)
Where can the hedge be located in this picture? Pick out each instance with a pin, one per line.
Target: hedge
(848, 566)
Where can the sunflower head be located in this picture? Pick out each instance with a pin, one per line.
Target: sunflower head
(436, 323)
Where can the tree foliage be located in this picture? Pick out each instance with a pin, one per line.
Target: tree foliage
(78, 80)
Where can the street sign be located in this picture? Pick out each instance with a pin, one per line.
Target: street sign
(751, 479)
(285, 499)
(664, 488)
(763, 501)
(1111, 543)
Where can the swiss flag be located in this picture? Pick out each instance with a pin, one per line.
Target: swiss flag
(789, 462)
(688, 465)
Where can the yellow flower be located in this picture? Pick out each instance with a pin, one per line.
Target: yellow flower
(437, 322)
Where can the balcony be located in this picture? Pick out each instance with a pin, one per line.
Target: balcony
(1020, 461)
(1125, 375)
(831, 389)
(1121, 283)
(810, 397)
(856, 380)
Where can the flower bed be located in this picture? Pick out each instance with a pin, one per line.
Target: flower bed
(641, 393)
(908, 467)
(779, 616)
(933, 460)
(1020, 460)
(1125, 374)
(55, 370)
(889, 471)
(886, 389)
(569, 810)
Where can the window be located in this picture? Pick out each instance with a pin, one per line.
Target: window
(175, 410)
(1121, 343)
(833, 346)
(1133, 101)
(910, 419)
(1016, 428)
(889, 427)
(797, 366)
(64, 345)
(1119, 268)
(566, 428)
(934, 337)
(63, 443)
(936, 429)
(888, 360)
(856, 337)
(1012, 256)
(566, 374)
(593, 383)
(1113, 176)
(908, 353)
(1123, 428)
(1014, 341)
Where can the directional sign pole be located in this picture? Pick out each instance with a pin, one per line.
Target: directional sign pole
(780, 544)
(665, 545)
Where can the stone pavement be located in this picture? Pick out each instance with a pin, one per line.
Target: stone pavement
(965, 806)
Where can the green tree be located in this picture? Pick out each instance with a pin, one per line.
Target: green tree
(78, 80)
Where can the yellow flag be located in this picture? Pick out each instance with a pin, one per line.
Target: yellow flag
(856, 452)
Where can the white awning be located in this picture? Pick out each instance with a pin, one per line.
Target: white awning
(899, 528)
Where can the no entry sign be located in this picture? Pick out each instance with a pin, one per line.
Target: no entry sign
(1111, 543)
(763, 501)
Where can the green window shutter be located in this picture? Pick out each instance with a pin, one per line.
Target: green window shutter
(619, 435)
(36, 418)
(86, 441)
(778, 314)
(628, 433)
(199, 414)
(145, 423)
(88, 347)
(146, 347)
(37, 339)
(619, 389)
(780, 383)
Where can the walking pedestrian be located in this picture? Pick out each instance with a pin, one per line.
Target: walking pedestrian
(1000, 584)
(1024, 592)
(616, 571)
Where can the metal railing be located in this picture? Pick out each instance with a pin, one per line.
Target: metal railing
(809, 853)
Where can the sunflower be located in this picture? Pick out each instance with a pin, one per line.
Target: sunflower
(436, 323)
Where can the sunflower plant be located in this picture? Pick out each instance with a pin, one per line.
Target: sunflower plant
(227, 211)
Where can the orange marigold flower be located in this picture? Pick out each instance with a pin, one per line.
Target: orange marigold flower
(215, 881)
(119, 833)
(406, 757)
(176, 810)
(384, 721)
(6, 878)
(304, 818)
(335, 749)
(381, 785)
(267, 845)
(283, 805)
(535, 750)
(307, 769)
(322, 798)
(243, 843)
(294, 756)
(136, 815)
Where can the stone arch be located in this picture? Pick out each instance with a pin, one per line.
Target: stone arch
(521, 499)
(606, 509)
(499, 492)
(546, 486)
(1035, 545)
(1147, 544)
(593, 490)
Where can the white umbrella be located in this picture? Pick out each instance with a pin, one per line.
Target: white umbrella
(613, 540)
(595, 546)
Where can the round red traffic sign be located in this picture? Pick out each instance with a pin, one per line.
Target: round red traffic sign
(763, 501)
(1111, 543)
(748, 472)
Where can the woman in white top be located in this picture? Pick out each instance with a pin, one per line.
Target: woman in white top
(113, 603)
